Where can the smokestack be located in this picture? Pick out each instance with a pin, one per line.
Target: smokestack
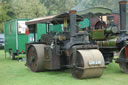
(73, 22)
(124, 15)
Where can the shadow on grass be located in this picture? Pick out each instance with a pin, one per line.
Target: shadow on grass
(59, 72)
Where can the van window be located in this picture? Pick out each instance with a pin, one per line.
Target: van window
(21, 27)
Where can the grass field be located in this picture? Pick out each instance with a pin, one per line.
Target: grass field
(15, 73)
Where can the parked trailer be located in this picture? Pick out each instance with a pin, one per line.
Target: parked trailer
(15, 37)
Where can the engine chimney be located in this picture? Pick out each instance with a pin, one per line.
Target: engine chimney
(73, 22)
(124, 15)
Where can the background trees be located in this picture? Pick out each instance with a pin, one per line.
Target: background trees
(28, 8)
(57, 6)
(12, 9)
(5, 12)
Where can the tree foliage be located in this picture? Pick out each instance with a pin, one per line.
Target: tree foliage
(57, 6)
(28, 8)
(5, 10)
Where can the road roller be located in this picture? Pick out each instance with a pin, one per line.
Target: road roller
(111, 39)
(69, 49)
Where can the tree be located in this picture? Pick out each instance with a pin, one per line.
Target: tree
(58, 6)
(4, 13)
(28, 8)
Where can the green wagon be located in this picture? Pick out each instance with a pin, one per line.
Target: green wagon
(15, 37)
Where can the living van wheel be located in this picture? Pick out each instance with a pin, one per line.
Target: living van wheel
(12, 55)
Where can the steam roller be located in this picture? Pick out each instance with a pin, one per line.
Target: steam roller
(88, 63)
(67, 49)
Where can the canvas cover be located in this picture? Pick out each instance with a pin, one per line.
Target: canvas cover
(86, 4)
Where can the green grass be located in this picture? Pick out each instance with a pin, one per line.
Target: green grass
(16, 73)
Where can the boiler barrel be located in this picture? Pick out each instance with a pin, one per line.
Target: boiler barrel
(107, 43)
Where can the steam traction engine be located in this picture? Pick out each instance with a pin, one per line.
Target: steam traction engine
(68, 49)
(111, 39)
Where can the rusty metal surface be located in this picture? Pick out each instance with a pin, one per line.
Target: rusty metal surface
(90, 64)
(41, 19)
(55, 19)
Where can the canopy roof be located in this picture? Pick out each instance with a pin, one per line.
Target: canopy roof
(110, 4)
(95, 11)
(55, 19)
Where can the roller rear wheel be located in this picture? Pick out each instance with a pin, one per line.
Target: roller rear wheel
(35, 57)
(89, 64)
